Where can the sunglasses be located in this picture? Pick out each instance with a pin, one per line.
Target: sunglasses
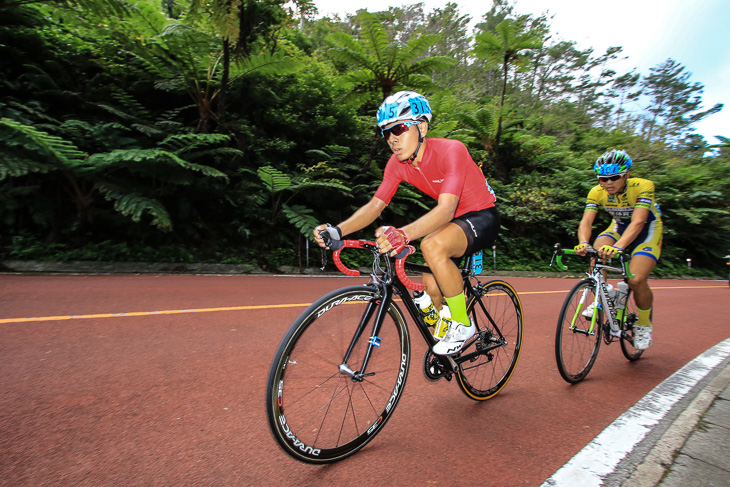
(609, 178)
(397, 129)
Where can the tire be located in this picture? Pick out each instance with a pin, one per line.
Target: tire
(318, 414)
(576, 346)
(627, 336)
(484, 375)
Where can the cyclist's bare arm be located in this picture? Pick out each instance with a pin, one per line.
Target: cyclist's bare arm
(439, 216)
(362, 217)
(585, 229)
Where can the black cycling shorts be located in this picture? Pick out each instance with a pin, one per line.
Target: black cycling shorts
(481, 228)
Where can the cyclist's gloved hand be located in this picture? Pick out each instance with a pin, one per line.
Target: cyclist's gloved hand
(396, 237)
(581, 246)
(327, 233)
(611, 250)
(333, 231)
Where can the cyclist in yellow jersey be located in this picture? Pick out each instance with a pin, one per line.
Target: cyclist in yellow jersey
(636, 228)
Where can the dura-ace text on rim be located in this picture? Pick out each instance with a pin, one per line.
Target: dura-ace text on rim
(322, 408)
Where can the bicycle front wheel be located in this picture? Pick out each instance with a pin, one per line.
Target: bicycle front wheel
(497, 314)
(630, 318)
(576, 341)
(320, 408)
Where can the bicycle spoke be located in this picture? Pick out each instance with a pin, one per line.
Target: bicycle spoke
(484, 369)
(323, 418)
(578, 337)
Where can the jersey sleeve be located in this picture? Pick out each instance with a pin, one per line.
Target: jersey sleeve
(454, 168)
(594, 199)
(645, 196)
(391, 179)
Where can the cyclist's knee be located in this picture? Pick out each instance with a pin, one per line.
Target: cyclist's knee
(600, 241)
(639, 281)
(433, 246)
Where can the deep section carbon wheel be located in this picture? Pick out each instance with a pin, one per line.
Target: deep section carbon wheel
(320, 407)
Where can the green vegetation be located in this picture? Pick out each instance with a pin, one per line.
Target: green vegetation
(181, 131)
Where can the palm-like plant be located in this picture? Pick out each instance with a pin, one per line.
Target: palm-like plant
(135, 180)
(378, 65)
(506, 48)
(484, 126)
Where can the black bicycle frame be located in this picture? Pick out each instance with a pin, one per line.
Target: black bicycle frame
(380, 309)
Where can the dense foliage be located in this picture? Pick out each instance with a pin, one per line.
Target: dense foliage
(183, 131)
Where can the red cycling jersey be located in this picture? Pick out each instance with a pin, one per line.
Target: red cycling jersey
(446, 167)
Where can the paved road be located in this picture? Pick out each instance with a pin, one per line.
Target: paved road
(160, 380)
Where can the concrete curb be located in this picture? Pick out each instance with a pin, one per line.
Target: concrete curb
(661, 457)
(636, 437)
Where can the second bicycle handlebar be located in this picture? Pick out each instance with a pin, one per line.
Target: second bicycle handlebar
(590, 253)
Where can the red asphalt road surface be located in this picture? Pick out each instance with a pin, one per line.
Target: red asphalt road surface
(160, 381)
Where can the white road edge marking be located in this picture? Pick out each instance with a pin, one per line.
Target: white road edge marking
(590, 466)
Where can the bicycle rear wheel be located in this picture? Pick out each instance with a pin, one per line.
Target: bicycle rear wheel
(576, 344)
(497, 313)
(631, 316)
(318, 411)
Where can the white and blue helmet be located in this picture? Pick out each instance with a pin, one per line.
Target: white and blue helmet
(403, 106)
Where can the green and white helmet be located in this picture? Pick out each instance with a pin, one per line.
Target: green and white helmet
(403, 106)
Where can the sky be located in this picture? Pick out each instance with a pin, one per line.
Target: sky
(693, 33)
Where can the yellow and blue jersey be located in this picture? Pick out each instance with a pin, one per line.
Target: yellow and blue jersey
(638, 193)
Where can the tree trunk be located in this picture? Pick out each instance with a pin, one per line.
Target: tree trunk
(224, 81)
(498, 135)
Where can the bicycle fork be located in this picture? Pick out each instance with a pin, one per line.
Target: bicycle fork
(379, 308)
(596, 309)
(600, 303)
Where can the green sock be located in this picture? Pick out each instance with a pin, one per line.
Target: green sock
(644, 317)
(457, 306)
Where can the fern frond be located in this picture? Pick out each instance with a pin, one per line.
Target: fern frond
(30, 150)
(329, 184)
(134, 206)
(273, 179)
(17, 166)
(266, 65)
(302, 218)
(205, 170)
(181, 143)
(134, 159)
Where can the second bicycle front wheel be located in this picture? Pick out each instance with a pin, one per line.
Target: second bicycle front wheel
(497, 313)
(320, 408)
(577, 341)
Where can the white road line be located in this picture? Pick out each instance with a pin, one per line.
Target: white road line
(590, 466)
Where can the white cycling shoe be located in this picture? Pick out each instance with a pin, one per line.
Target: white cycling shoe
(588, 312)
(454, 339)
(642, 337)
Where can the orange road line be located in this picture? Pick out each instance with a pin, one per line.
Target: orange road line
(147, 313)
(244, 308)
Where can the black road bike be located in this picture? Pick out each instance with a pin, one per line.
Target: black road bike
(340, 370)
(579, 333)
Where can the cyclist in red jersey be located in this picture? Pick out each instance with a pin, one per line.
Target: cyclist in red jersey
(464, 220)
